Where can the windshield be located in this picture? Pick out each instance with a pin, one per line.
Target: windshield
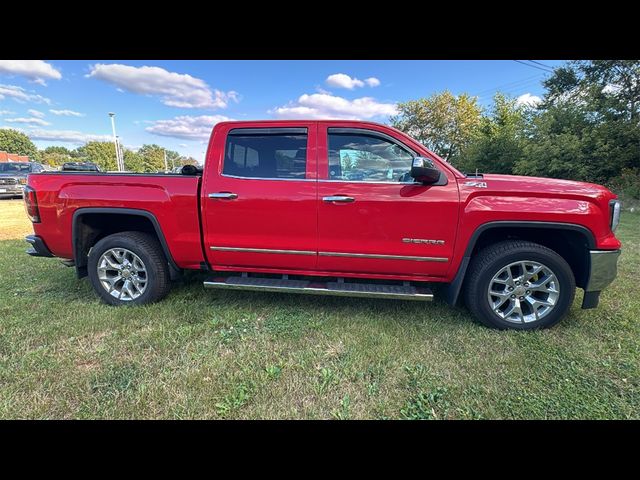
(15, 168)
(80, 166)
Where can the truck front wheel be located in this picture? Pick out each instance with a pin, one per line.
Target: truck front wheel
(128, 268)
(519, 285)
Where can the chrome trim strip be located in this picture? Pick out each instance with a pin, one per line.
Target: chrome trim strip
(425, 297)
(263, 250)
(372, 183)
(269, 178)
(330, 254)
(383, 257)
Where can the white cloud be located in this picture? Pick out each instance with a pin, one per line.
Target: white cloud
(342, 80)
(322, 105)
(68, 136)
(372, 81)
(28, 120)
(528, 100)
(35, 113)
(185, 126)
(19, 94)
(68, 113)
(183, 145)
(174, 89)
(6, 112)
(36, 70)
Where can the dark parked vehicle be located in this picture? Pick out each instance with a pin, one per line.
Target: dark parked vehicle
(13, 177)
(79, 167)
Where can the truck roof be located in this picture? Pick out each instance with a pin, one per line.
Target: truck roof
(303, 120)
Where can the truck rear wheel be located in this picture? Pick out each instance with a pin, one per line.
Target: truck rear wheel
(519, 285)
(129, 268)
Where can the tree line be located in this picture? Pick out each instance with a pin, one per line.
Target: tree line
(586, 127)
(148, 158)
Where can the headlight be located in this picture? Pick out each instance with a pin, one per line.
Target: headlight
(22, 180)
(614, 208)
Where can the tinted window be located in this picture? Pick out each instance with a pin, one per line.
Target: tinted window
(367, 158)
(272, 155)
(11, 167)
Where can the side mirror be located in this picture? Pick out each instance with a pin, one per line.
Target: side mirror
(423, 170)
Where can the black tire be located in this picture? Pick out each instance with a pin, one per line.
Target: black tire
(489, 261)
(150, 252)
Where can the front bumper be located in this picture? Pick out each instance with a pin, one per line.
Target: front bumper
(11, 190)
(38, 247)
(603, 269)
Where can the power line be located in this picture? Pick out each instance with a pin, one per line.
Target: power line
(510, 85)
(540, 63)
(534, 66)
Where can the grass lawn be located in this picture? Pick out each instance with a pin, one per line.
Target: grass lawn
(222, 354)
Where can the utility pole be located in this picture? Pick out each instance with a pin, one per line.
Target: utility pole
(115, 142)
(121, 155)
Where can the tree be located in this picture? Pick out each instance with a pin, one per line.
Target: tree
(55, 156)
(609, 87)
(133, 161)
(102, 154)
(500, 139)
(153, 156)
(443, 122)
(56, 149)
(13, 141)
(587, 126)
(187, 161)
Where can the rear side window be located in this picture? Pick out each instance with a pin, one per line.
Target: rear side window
(266, 153)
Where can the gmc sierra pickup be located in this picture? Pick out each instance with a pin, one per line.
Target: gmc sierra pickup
(337, 208)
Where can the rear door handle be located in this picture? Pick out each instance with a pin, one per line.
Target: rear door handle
(338, 198)
(223, 195)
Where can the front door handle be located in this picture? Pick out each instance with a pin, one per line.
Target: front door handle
(338, 198)
(224, 195)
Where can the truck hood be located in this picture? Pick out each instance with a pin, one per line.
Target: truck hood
(539, 186)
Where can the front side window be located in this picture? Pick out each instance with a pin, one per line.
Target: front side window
(266, 155)
(364, 157)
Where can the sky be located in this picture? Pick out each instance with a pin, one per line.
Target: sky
(175, 104)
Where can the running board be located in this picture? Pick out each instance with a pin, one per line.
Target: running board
(370, 290)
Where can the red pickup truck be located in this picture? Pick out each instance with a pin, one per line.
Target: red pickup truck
(339, 208)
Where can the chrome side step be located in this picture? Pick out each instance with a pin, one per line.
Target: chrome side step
(340, 288)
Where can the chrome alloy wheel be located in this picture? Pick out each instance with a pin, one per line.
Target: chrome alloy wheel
(523, 292)
(122, 274)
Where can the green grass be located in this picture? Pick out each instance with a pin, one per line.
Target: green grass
(218, 354)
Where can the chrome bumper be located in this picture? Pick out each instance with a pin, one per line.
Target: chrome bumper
(603, 269)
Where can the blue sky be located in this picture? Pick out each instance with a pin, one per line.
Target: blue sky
(175, 103)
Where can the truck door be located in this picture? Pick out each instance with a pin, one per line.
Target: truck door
(259, 196)
(372, 217)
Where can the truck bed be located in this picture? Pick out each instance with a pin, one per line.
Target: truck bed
(172, 199)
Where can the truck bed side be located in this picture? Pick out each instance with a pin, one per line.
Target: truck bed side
(172, 200)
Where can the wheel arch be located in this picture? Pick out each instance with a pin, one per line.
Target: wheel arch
(573, 244)
(84, 233)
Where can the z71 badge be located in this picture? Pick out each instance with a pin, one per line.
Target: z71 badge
(476, 184)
